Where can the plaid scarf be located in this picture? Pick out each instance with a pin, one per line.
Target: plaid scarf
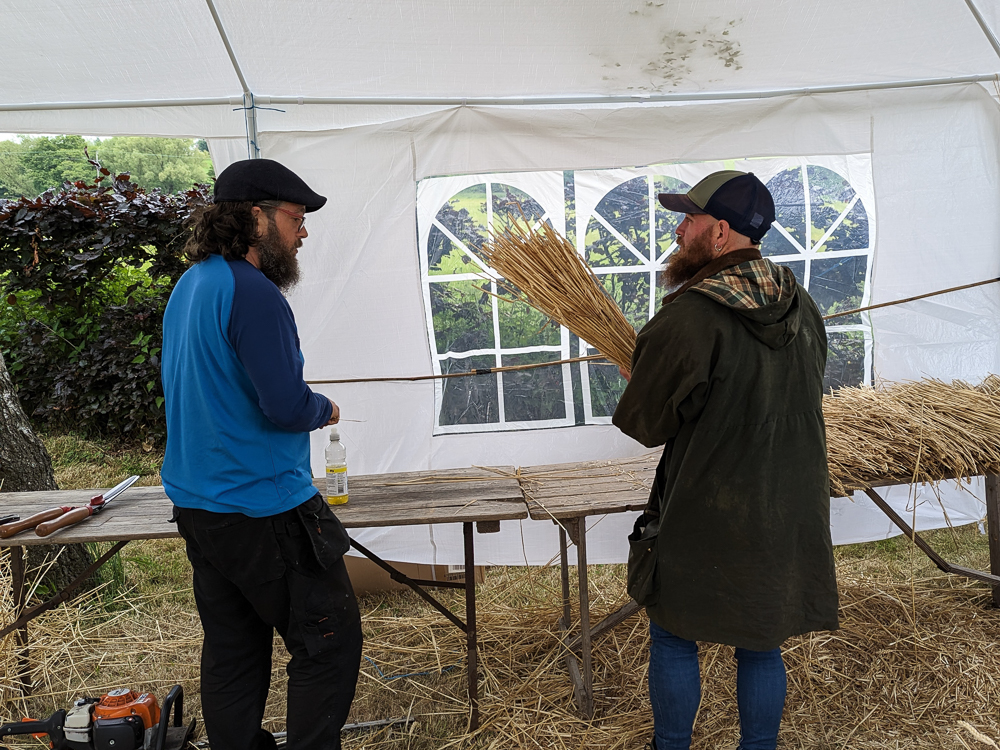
(749, 285)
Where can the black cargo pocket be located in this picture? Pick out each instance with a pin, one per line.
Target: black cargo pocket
(325, 611)
(244, 549)
(326, 536)
(642, 579)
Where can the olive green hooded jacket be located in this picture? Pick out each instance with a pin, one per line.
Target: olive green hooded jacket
(734, 546)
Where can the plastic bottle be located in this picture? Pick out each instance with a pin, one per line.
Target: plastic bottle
(336, 470)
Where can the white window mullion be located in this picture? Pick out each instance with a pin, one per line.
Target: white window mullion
(620, 237)
(805, 197)
(651, 185)
(837, 223)
(494, 306)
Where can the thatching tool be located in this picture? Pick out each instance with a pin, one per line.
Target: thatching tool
(16, 526)
(75, 515)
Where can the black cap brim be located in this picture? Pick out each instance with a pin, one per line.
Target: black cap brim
(679, 202)
(263, 180)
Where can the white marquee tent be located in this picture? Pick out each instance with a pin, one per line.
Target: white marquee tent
(408, 113)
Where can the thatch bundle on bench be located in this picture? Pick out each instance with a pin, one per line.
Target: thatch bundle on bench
(912, 432)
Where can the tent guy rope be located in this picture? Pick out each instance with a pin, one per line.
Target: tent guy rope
(593, 357)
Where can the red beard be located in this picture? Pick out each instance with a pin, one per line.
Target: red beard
(692, 254)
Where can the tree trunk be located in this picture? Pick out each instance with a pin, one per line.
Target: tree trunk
(25, 466)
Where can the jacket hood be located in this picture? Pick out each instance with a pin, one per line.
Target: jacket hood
(764, 295)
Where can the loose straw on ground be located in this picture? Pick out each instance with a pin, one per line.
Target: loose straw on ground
(886, 679)
(545, 271)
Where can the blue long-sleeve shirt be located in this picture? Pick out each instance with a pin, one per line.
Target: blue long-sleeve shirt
(238, 410)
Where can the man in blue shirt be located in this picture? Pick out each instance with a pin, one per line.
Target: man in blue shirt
(265, 547)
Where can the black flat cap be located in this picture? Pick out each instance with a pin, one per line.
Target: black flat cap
(265, 180)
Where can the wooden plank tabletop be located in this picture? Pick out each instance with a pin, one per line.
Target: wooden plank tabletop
(588, 488)
(422, 497)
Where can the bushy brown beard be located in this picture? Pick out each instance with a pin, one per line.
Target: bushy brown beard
(278, 261)
(692, 254)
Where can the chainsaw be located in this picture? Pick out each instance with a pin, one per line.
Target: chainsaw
(119, 720)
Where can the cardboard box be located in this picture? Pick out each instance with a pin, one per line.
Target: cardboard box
(367, 577)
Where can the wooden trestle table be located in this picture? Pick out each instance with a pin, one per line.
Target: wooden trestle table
(479, 496)
(568, 494)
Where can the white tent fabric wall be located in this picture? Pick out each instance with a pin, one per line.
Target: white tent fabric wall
(357, 97)
(360, 312)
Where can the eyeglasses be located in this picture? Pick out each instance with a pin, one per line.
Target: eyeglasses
(300, 217)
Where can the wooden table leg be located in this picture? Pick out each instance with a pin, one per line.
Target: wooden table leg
(581, 563)
(993, 528)
(564, 575)
(470, 625)
(17, 574)
(566, 621)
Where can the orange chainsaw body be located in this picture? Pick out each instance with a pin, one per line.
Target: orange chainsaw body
(124, 702)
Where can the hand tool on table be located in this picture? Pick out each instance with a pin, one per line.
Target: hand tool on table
(9, 519)
(16, 526)
(97, 503)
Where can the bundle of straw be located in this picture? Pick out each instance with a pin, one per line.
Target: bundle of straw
(923, 431)
(545, 271)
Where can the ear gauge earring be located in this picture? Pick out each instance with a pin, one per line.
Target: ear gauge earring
(716, 248)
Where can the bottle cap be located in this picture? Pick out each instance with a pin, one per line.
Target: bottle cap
(334, 434)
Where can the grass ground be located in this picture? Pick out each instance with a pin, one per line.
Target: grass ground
(916, 657)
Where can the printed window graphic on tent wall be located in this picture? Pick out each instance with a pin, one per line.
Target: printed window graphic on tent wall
(626, 237)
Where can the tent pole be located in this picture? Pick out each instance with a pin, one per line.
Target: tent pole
(984, 26)
(708, 96)
(249, 110)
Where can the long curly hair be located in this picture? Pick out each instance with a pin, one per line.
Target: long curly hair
(226, 228)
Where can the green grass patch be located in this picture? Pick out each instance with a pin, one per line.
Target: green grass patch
(84, 463)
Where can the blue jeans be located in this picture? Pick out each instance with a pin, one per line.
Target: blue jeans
(675, 692)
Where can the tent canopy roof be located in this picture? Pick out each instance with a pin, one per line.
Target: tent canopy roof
(78, 55)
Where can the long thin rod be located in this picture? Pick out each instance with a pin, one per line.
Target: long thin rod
(984, 26)
(229, 47)
(477, 371)
(910, 299)
(508, 101)
(510, 368)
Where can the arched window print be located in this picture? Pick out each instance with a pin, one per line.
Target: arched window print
(824, 232)
(826, 241)
(626, 243)
(473, 327)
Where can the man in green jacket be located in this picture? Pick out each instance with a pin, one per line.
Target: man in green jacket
(734, 545)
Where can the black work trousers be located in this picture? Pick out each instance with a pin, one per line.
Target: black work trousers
(253, 576)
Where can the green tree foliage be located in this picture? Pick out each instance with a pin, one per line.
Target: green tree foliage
(32, 165)
(170, 164)
(36, 164)
(86, 271)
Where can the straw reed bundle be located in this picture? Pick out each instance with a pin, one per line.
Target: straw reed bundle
(923, 431)
(546, 272)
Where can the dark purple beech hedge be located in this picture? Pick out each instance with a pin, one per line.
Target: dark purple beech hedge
(85, 272)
